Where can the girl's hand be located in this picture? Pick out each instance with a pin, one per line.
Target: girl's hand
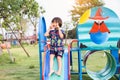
(51, 27)
(57, 26)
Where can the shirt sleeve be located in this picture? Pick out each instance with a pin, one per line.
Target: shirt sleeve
(49, 35)
(63, 34)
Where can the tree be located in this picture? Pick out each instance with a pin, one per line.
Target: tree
(66, 27)
(72, 33)
(17, 11)
(33, 11)
(14, 11)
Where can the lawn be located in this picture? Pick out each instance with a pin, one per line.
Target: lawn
(24, 68)
(27, 68)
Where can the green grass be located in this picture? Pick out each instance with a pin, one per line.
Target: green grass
(27, 68)
(24, 68)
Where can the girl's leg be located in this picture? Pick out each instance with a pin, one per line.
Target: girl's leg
(51, 64)
(59, 59)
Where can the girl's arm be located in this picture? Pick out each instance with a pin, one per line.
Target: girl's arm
(47, 33)
(60, 33)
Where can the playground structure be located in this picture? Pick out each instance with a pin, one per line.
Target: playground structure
(43, 48)
(91, 44)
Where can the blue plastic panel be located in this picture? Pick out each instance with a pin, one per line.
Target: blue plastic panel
(112, 23)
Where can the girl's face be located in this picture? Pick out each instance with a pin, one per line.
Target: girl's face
(54, 25)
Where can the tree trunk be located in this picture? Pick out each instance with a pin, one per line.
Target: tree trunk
(19, 42)
(0, 50)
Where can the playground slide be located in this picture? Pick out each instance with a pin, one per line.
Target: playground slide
(64, 74)
(41, 32)
(44, 70)
(42, 40)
